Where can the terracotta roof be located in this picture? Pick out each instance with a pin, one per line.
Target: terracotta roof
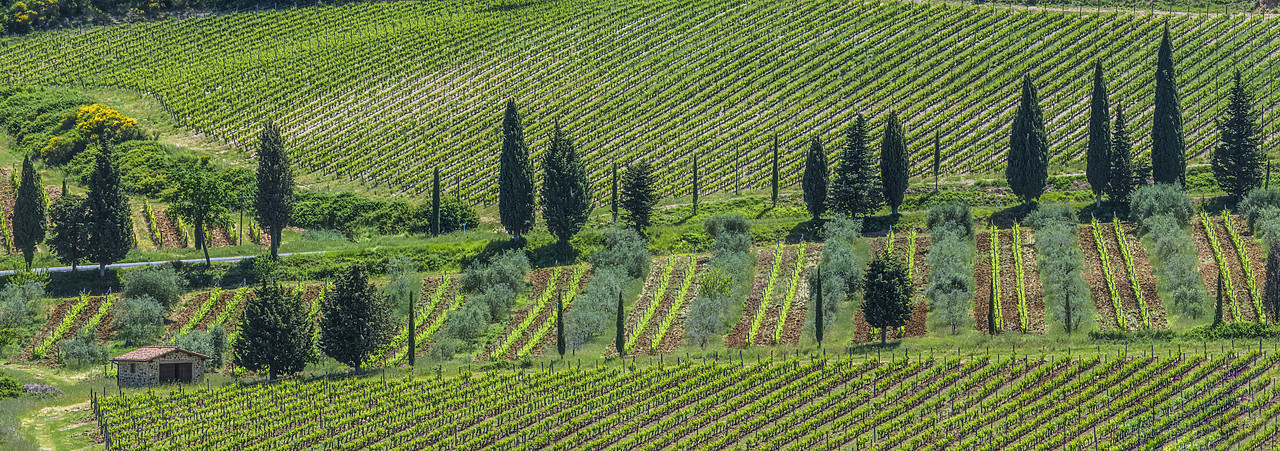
(149, 353)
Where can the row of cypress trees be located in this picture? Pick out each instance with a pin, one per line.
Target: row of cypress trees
(857, 190)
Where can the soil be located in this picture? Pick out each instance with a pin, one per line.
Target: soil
(769, 324)
(1208, 264)
(1254, 251)
(644, 344)
(186, 315)
(541, 348)
(1035, 293)
(1097, 281)
(51, 358)
(168, 230)
(7, 200)
(647, 296)
(446, 302)
(1146, 279)
(1243, 299)
(794, 327)
(54, 318)
(54, 193)
(764, 263)
(1234, 269)
(221, 237)
(224, 298)
(675, 335)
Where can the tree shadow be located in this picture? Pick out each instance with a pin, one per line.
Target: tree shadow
(879, 225)
(763, 212)
(811, 230)
(553, 254)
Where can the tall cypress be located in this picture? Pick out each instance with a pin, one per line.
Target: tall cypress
(29, 212)
(1271, 290)
(1122, 177)
(1028, 167)
(893, 162)
(856, 191)
(1168, 150)
(619, 340)
(1098, 162)
(275, 184)
(515, 177)
(695, 183)
(817, 314)
(991, 309)
(774, 174)
(1217, 308)
(110, 227)
(560, 343)
(566, 200)
(613, 193)
(435, 202)
(815, 179)
(1237, 160)
(64, 187)
(937, 158)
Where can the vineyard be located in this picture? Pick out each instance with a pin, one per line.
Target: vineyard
(1228, 251)
(1006, 268)
(779, 297)
(1179, 401)
(530, 329)
(666, 78)
(913, 249)
(1120, 277)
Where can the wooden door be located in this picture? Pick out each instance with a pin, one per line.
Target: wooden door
(184, 372)
(168, 372)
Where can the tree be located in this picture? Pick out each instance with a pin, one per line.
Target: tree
(1168, 150)
(774, 172)
(893, 163)
(274, 202)
(1238, 158)
(566, 201)
(355, 321)
(695, 184)
(515, 176)
(639, 195)
(68, 237)
(993, 328)
(275, 334)
(435, 202)
(814, 180)
(1217, 309)
(856, 188)
(110, 228)
(201, 196)
(888, 291)
(613, 193)
(560, 344)
(1098, 163)
(618, 339)
(1122, 179)
(937, 158)
(817, 311)
(29, 212)
(1028, 167)
(1271, 290)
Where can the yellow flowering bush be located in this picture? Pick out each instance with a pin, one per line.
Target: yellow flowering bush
(94, 121)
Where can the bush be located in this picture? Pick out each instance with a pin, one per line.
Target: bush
(506, 269)
(1243, 330)
(1178, 271)
(1124, 335)
(1256, 203)
(9, 387)
(1062, 272)
(454, 214)
(138, 319)
(957, 215)
(160, 283)
(1161, 199)
(726, 280)
(841, 268)
(82, 351)
(625, 249)
(1047, 214)
(594, 311)
(731, 233)
(18, 303)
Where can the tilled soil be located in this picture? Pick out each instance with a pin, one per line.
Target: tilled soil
(55, 317)
(1244, 301)
(1146, 278)
(1234, 270)
(675, 335)
(764, 264)
(1097, 281)
(7, 200)
(638, 308)
(186, 315)
(224, 298)
(644, 345)
(1035, 293)
(541, 281)
(794, 327)
(769, 324)
(168, 230)
(541, 347)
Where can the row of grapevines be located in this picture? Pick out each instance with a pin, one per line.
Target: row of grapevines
(1246, 264)
(1221, 259)
(767, 296)
(533, 313)
(62, 329)
(209, 303)
(996, 310)
(793, 287)
(1024, 316)
(1127, 256)
(655, 295)
(152, 226)
(232, 307)
(1105, 261)
(677, 306)
(544, 329)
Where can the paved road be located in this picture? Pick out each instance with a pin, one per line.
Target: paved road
(91, 267)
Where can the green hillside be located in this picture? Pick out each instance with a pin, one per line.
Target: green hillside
(379, 94)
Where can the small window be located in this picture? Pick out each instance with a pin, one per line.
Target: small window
(133, 367)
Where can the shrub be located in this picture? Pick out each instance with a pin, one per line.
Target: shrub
(623, 248)
(841, 268)
(138, 319)
(1161, 199)
(82, 351)
(454, 214)
(1258, 201)
(1178, 268)
(18, 303)
(955, 214)
(160, 283)
(505, 269)
(1242, 330)
(9, 387)
(594, 310)
(1062, 272)
(1046, 214)
(731, 233)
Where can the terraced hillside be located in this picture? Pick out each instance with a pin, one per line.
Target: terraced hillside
(381, 93)
(1142, 402)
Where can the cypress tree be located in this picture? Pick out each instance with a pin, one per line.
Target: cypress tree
(817, 314)
(856, 189)
(619, 340)
(937, 158)
(275, 334)
(695, 183)
(613, 194)
(1271, 293)
(1217, 308)
(356, 320)
(639, 195)
(435, 202)
(887, 294)
(815, 179)
(774, 173)
(64, 187)
(275, 184)
(1098, 162)
(1168, 150)
(1238, 158)
(893, 162)
(515, 177)
(991, 309)
(566, 200)
(1028, 167)
(69, 235)
(560, 344)
(413, 330)
(29, 212)
(110, 228)
(1122, 176)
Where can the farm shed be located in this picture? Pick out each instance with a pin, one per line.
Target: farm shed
(151, 365)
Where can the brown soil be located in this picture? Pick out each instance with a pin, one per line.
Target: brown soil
(540, 280)
(764, 264)
(1234, 270)
(185, 316)
(1097, 281)
(222, 237)
(446, 301)
(769, 324)
(7, 200)
(1146, 278)
(675, 335)
(54, 193)
(168, 230)
(1031, 276)
(647, 296)
(541, 348)
(221, 304)
(1208, 264)
(51, 358)
(1257, 257)
(678, 274)
(105, 328)
(794, 328)
(55, 317)
(1238, 280)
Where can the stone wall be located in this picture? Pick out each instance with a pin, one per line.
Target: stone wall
(142, 374)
